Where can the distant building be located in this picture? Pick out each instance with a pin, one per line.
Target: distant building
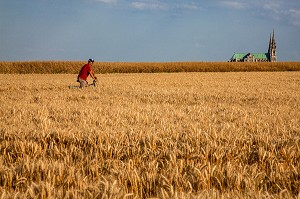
(270, 56)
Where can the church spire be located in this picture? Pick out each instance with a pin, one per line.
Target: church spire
(270, 43)
(273, 39)
(272, 48)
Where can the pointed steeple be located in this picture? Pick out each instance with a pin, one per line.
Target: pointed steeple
(272, 48)
(270, 42)
(273, 40)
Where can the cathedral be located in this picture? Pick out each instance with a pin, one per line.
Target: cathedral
(270, 56)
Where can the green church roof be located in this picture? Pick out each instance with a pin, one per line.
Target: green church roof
(240, 56)
(260, 55)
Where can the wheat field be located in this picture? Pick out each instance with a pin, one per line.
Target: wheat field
(72, 67)
(158, 135)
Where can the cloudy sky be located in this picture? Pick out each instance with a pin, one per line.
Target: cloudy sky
(146, 30)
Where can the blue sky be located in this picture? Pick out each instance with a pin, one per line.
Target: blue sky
(146, 30)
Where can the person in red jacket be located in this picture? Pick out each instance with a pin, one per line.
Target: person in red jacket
(85, 71)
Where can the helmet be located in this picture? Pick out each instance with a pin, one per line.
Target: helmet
(91, 60)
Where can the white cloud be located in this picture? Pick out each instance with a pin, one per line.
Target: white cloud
(107, 1)
(159, 5)
(295, 15)
(273, 10)
(152, 5)
(273, 7)
(235, 4)
(278, 10)
(281, 13)
(186, 6)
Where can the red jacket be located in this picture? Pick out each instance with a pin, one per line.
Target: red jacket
(84, 72)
